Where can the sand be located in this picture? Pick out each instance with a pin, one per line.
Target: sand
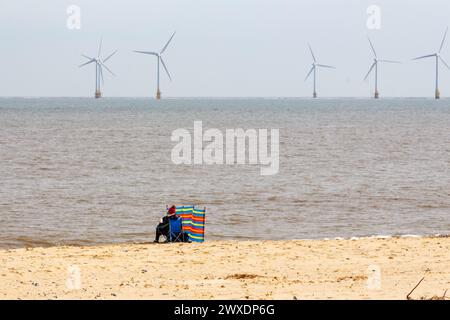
(367, 268)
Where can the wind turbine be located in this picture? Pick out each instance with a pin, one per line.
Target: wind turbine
(438, 57)
(314, 69)
(160, 60)
(375, 65)
(99, 65)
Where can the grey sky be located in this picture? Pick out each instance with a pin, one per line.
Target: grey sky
(223, 48)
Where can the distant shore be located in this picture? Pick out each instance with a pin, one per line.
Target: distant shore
(367, 268)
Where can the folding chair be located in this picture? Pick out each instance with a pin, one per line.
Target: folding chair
(175, 230)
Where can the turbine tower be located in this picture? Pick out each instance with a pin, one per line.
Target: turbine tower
(99, 65)
(160, 60)
(314, 69)
(438, 57)
(375, 65)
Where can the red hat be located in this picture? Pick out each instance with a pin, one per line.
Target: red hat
(172, 210)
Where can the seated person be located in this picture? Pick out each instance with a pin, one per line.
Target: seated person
(163, 226)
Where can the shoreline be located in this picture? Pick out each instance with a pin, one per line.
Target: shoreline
(363, 268)
(31, 245)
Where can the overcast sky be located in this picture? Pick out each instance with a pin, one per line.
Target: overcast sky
(223, 48)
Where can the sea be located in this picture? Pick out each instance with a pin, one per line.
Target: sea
(80, 171)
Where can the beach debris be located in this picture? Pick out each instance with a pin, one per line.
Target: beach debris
(408, 296)
(242, 276)
(433, 298)
(440, 298)
(443, 297)
(352, 277)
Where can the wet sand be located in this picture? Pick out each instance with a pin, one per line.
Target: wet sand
(368, 268)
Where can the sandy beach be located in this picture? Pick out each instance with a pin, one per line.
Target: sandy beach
(368, 268)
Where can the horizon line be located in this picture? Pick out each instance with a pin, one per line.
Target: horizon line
(222, 97)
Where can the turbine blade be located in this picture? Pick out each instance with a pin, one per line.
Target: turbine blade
(312, 53)
(325, 66)
(87, 57)
(373, 49)
(309, 73)
(427, 56)
(103, 65)
(370, 70)
(389, 61)
(147, 52)
(86, 63)
(444, 62)
(165, 68)
(167, 44)
(100, 47)
(443, 40)
(110, 56)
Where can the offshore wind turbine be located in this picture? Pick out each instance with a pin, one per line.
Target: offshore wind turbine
(99, 65)
(160, 60)
(438, 57)
(314, 67)
(375, 65)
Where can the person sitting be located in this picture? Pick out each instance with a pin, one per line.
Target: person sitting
(163, 227)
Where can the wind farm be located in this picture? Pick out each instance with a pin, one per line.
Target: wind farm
(313, 70)
(374, 65)
(438, 57)
(160, 60)
(99, 65)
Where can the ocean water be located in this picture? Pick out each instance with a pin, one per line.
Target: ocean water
(85, 171)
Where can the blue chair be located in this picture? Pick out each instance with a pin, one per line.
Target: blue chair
(175, 230)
